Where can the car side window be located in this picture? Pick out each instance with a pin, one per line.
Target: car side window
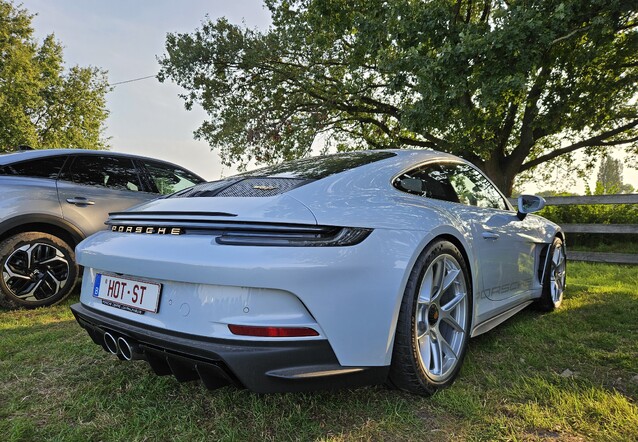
(474, 189)
(457, 183)
(104, 171)
(48, 167)
(170, 179)
(430, 180)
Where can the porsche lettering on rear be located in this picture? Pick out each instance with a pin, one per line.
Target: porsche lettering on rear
(148, 230)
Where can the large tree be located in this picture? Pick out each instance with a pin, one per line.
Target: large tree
(42, 104)
(507, 84)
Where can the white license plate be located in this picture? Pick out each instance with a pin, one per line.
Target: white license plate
(126, 293)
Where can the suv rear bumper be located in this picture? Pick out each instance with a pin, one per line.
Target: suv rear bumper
(263, 367)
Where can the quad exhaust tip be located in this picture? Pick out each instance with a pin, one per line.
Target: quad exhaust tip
(126, 350)
(110, 343)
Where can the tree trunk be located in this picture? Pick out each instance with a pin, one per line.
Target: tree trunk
(501, 173)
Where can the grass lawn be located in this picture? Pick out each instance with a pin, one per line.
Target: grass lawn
(56, 384)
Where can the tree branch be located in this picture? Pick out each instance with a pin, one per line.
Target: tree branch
(596, 141)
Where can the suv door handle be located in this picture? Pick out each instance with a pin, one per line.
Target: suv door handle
(490, 235)
(80, 201)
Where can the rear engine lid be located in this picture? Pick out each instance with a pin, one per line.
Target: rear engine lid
(178, 212)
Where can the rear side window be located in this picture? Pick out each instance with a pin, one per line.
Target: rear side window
(110, 172)
(457, 183)
(169, 179)
(48, 167)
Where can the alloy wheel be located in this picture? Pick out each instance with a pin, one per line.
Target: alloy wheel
(34, 272)
(440, 317)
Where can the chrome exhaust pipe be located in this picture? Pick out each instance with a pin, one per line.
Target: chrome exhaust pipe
(128, 350)
(110, 343)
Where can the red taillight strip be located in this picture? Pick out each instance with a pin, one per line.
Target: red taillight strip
(272, 332)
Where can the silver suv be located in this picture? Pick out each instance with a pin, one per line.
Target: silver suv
(52, 199)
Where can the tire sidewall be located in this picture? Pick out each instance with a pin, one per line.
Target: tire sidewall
(15, 242)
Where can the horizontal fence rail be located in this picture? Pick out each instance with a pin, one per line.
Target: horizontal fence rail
(618, 258)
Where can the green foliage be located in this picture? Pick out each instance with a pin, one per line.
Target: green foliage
(592, 214)
(610, 179)
(508, 85)
(41, 104)
(596, 214)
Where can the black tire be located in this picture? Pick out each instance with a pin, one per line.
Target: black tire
(419, 320)
(553, 277)
(37, 270)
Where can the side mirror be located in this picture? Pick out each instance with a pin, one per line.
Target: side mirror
(528, 204)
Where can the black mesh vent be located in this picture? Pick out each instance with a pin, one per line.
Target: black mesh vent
(260, 187)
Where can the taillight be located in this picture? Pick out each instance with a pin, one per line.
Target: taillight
(330, 237)
(272, 332)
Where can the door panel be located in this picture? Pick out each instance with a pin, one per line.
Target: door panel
(95, 185)
(101, 201)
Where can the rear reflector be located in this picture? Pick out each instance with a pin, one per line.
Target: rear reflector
(271, 332)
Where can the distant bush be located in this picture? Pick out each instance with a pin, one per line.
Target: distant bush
(597, 214)
(592, 214)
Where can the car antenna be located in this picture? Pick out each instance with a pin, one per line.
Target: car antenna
(23, 147)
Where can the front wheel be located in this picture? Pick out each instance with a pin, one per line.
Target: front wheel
(38, 270)
(434, 321)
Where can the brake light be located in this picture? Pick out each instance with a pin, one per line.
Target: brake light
(272, 332)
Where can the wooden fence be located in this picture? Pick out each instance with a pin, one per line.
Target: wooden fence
(621, 258)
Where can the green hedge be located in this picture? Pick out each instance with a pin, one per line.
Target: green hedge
(597, 214)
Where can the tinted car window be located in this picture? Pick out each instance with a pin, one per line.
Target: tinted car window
(316, 168)
(474, 189)
(41, 168)
(457, 183)
(431, 180)
(169, 179)
(111, 172)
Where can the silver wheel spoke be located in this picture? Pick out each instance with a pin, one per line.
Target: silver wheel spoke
(452, 322)
(439, 274)
(437, 355)
(453, 273)
(452, 303)
(425, 292)
(449, 351)
(425, 348)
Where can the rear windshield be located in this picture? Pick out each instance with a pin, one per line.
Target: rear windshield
(275, 180)
(316, 168)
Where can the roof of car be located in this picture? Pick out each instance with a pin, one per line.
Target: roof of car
(24, 155)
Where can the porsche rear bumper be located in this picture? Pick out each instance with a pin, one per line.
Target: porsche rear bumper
(262, 366)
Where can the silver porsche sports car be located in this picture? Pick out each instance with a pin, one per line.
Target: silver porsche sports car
(343, 270)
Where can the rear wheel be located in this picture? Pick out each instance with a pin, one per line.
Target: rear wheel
(555, 277)
(434, 321)
(37, 269)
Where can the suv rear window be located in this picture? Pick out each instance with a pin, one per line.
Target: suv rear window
(48, 167)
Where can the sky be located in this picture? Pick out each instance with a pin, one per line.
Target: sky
(125, 37)
(147, 117)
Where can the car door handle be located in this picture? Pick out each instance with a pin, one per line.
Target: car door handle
(80, 201)
(490, 235)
